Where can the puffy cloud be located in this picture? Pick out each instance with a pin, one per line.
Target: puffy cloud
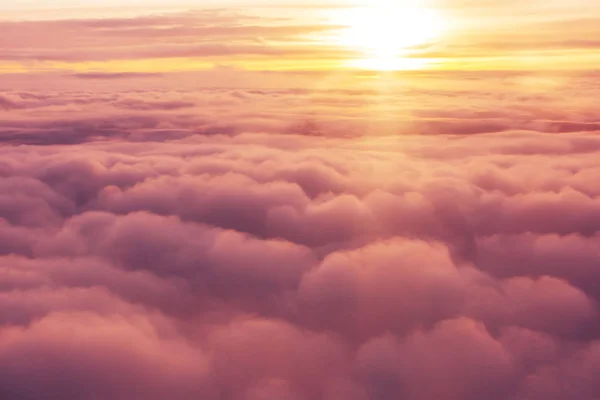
(460, 356)
(210, 244)
(107, 357)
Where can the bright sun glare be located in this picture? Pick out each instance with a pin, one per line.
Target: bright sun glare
(385, 31)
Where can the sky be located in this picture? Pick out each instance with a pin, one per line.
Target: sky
(161, 36)
(285, 200)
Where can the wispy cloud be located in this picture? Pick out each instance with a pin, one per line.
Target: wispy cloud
(247, 39)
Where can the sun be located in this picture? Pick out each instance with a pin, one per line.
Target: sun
(386, 32)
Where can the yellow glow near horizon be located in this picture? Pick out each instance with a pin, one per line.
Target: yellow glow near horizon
(384, 31)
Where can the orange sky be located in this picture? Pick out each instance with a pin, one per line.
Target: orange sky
(339, 36)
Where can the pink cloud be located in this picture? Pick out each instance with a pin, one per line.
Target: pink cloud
(210, 244)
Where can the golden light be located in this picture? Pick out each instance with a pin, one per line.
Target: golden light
(387, 31)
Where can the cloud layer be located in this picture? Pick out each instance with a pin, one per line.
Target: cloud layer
(277, 244)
